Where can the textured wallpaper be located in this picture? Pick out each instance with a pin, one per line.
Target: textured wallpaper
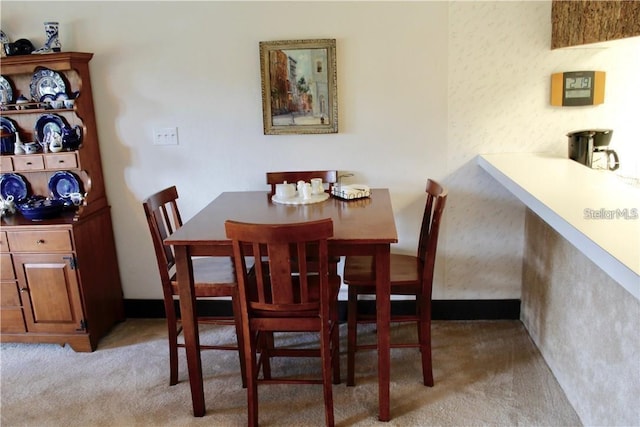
(594, 357)
(499, 69)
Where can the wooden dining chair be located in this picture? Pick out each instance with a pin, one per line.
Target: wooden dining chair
(213, 277)
(277, 298)
(329, 177)
(410, 275)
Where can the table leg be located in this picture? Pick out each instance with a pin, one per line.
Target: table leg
(383, 321)
(184, 270)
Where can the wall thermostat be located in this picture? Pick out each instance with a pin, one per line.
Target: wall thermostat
(576, 88)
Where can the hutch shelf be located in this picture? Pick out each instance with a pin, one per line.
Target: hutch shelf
(60, 281)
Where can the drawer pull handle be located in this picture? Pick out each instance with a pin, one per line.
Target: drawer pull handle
(29, 163)
(60, 161)
(40, 242)
(24, 289)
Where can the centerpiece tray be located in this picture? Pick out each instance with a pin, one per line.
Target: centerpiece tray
(299, 200)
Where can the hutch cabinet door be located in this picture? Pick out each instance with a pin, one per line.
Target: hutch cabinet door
(11, 319)
(50, 295)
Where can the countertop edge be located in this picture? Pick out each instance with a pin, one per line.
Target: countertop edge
(620, 272)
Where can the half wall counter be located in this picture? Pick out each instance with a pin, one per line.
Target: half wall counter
(593, 209)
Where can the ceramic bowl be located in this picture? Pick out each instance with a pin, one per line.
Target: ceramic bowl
(41, 209)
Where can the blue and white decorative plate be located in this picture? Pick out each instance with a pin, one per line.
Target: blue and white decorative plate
(6, 91)
(12, 184)
(46, 124)
(62, 183)
(45, 82)
(8, 135)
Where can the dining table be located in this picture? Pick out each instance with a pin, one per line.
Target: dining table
(363, 226)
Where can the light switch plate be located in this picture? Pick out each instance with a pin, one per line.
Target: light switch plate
(165, 136)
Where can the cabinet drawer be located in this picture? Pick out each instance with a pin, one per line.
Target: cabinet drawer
(9, 294)
(7, 268)
(6, 165)
(12, 320)
(61, 161)
(40, 241)
(4, 243)
(28, 162)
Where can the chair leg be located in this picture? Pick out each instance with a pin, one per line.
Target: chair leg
(172, 335)
(238, 324)
(335, 345)
(265, 343)
(333, 268)
(250, 349)
(326, 350)
(424, 335)
(352, 334)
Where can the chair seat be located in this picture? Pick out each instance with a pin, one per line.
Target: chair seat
(212, 277)
(297, 309)
(359, 271)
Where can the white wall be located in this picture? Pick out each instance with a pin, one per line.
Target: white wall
(423, 87)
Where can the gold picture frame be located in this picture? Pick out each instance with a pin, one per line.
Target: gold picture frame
(299, 86)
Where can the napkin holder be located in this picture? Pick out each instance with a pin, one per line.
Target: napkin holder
(350, 191)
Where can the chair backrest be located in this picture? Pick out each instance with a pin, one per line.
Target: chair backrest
(328, 177)
(429, 230)
(163, 217)
(273, 288)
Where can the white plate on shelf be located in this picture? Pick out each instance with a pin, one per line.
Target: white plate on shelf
(297, 200)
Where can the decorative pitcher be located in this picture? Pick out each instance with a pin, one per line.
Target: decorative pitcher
(53, 42)
(71, 137)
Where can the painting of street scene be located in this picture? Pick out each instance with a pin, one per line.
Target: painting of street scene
(299, 84)
(299, 90)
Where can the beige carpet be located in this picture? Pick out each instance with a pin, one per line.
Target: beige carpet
(486, 374)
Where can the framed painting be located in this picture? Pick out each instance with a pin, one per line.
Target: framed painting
(299, 86)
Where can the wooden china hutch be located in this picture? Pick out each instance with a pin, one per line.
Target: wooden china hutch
(60, 278)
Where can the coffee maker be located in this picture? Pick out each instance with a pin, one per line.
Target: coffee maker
(591, 148)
